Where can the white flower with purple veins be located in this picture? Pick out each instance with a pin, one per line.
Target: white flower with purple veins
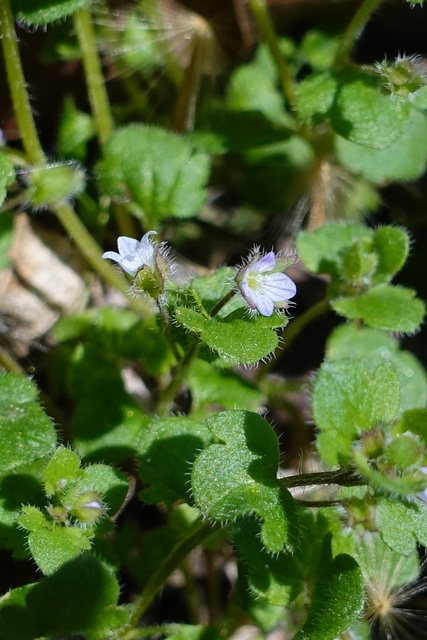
(133, 254)
(262, 284)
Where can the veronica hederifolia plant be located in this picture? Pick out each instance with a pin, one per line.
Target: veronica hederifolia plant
(163, 383)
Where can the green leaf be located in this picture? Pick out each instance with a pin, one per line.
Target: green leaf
(100, 478)
(32, 519)
(275, 579)
(337, 599)
(322, 250)
(351, 396)
(107, 421)
(315, 96)
(6, 237)
(237, 474)
(63, 467)
(364, 114)
(7, 175)
(158, 171)
(166, 450)
(76, 128)
(402, 523)
(195, 632)
(404, 159)
(41, 12)
(382, 565)
(26, 432)
(23, 486)
(241, 340)
(210, 386)
(319, 47)
(352, 341)
(80, 596)
(51, 548)
(391, 246)
(384, 307)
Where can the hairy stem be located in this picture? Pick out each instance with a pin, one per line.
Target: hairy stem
(342, 477)
(354, 29)
(18, 87)
(261, 14)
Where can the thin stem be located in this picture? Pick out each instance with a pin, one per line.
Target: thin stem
(8, 363)
(354, 29)
(94, 78)
(199, 532)
(342, 477)
(18, 86)
(262, 17)
(185, 108)
(168, 395)
(98, 99)
(219, 305)
(291, 331)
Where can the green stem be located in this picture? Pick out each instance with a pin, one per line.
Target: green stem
(291, 331)
(342, 477)
(177, 381)
(199, 532)
(18, 87)
(66, 215)
(262, 17)
(354, 29)
(8, 363)
(219, 305)
(94, 78)
(98, 99)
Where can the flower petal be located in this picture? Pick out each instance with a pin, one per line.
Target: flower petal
(127, 245)
(266, 263)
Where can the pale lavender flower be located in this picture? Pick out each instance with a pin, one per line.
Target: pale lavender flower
(262, 284)
(134, 254)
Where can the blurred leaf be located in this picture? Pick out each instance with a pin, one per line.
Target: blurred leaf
(41, 12)
(402, 523)
(159, 171)
(237, 474)
(404, 159)
(353, 341)
(210, 386)
(364, 114)
(76, 128)
(315, 97)
(7, 176)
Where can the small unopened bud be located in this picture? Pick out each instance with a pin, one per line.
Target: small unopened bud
(88, 507)
(403, 77)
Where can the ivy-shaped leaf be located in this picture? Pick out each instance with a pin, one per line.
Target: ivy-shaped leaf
(237, 475)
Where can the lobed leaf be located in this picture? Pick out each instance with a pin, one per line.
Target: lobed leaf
(237, 474)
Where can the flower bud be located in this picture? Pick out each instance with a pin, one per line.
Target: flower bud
(88, 507)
